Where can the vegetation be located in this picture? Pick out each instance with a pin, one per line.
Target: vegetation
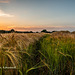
(37, 53)
(44, 31)
(14, 53)
(13, 31)
(57, 53)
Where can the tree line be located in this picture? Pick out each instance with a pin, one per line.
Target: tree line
(44, 30)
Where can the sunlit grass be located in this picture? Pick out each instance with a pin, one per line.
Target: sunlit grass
(13, 51)
(38, 53)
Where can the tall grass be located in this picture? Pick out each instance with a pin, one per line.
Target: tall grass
(38, 54)
(58, 54)
(13, 52)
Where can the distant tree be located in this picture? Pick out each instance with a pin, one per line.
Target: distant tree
(30, 32)
(54, 31)
(44, 31)
(12, 30)
(37, 32)
(2, 31)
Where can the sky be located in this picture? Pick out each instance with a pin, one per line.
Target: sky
(36, 15)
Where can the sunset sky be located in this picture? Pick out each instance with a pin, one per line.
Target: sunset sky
(35, 15)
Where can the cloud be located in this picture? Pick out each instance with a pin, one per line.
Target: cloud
(38, 28)
(3, 14)
(4, 1)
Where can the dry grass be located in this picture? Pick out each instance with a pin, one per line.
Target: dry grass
(20, 38)
(61, 34)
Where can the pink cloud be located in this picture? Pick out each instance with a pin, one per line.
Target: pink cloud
(39, 28)
(4, 1)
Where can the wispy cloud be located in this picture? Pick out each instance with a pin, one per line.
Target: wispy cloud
(4, 1)
(3, 14)
(37, 28)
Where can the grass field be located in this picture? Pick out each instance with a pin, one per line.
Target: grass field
(37, 53)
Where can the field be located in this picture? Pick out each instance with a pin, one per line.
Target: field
(37, 53)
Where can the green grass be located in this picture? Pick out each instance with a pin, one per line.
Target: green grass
(58, 54)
